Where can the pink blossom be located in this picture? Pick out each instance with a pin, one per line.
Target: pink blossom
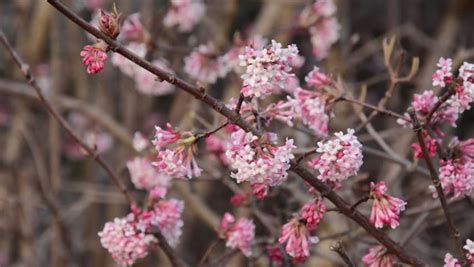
(385, 208)
(217, 146)
(456, 177)
(378, 257)
(125, 241)
(310, 107)
(132, 28)
(94, 56)
(109, 23)
(175, 153)
(179, 162)
(145, 176)
(313, 212)
(275, 255)
(298, 240)
(140, 142)
(323, 26)
(339, 158)
(443, 75)
(239, 234)
(267, 69)
(431, 146)
(167, 217)
(281, 110)
(184, 13)
(463, 97)
(258, 163)
(260, 190)
(203, 64)
(317, 79)
(238, 199)
(466, 71)
(165, 137)
(450, 261)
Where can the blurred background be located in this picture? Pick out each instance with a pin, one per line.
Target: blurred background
(46, 181)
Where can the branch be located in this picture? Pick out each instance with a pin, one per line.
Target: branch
(337, 247)
(418, 129)
(218, 106)
(380, 110)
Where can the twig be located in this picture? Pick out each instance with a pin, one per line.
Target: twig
(218, 106)
(208, 252)
(175, 260)
(360, 201)
(337, 247)
(380, 110)
(418, 129)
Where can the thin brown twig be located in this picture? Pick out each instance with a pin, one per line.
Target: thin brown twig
(418, 129)
(337, 247)
(218, 106)
(380, 110)
(208, 252)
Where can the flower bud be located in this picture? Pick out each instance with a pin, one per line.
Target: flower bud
(109, 23)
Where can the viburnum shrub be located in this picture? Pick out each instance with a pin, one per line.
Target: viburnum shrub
(276, 146)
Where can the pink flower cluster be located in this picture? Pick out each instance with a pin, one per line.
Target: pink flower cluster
(378, 257)
(385, 208)
(450, 261)
(126, 241)
(133, 30)
(431, 146)
(145, 176)
(94, 56)
(185, 14)
(443, 75)
(323, 26)
(456, 173)
(267, 69)
(238, 234)
(175, 153)
(204, 65)
(459, 102)
(313, 212)
(258, 163)
(339, 158)
(310, 107)
(298, 240)
(166, 215)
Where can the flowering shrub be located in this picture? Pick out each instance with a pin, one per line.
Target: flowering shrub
(285, 152)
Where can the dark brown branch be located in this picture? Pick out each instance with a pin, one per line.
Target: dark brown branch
(218, 106)
(418, 129)
(360, 201)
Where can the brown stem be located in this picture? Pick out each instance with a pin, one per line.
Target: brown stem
(218, 106)
(337, 247)
(175, 260)
(90, 151)
(208, 252)
(360, 201)
(418, 129)
(380, 110)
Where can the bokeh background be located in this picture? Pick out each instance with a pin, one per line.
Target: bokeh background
(41, 167)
